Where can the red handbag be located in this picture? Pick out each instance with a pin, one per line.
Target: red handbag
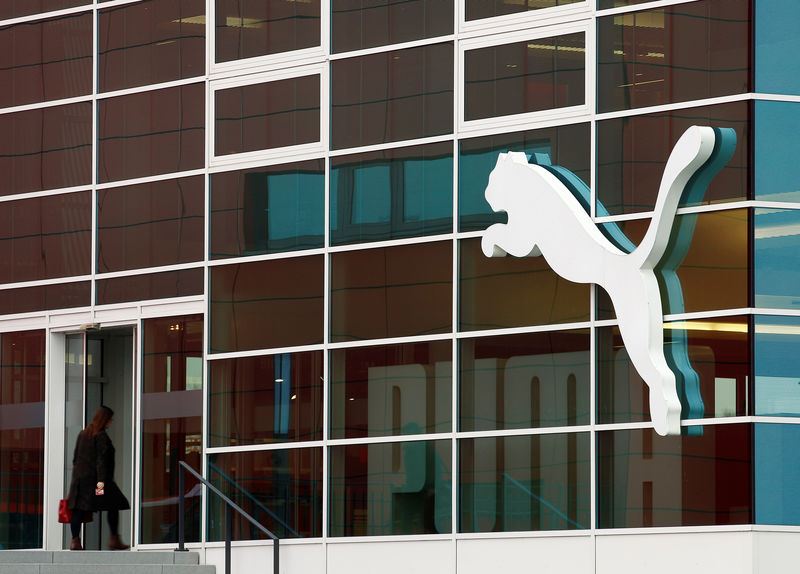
(65, 514)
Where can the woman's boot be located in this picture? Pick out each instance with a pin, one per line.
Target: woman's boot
(76, 544)
(115, 543)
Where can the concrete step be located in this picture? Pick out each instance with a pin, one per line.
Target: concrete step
(87, 562)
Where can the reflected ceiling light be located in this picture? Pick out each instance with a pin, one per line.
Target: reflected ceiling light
(235, 22)
(294, 397)
(771, 231)
(654, 19)
(351, 399)
(778, 329)
(707, 326)
(278, 380)
(640, 83)
(199, 19)
(553, 47)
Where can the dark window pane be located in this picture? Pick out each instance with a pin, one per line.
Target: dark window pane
(689, 51)
(260, 400)
(391, 390)
(16, 8)
(775, 39)
(45, 237)
(249, 28)
(22, 413)
(151, 42)
(171, 419)
(632, 153)
(710, 359)
(392, 96)
(267, 209)
(164, 285)
(45, 297)
(46, 148)
(373, 292)
(522, 77)
(776, 260)
(46, 60)
(158, 223)
(151, 132)
(476, 9)
(777, 364)
(264, 304)
(265, 116)
(359, 24)
(776, 466)
(397, 488)
(524, 381)
(387, 194)
(565, 146)
(647, 480)
(498, 292)
(524, 483)
(282, 489)
(775, 150)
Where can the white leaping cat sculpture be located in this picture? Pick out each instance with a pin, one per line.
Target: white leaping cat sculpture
(544, 218)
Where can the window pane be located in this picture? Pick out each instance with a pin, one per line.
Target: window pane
(391, 390)
(528, 76)
(531, 380)
(46, 60)
(171, 411)
(151, 132)
(45, 237)
(536, 482)
(46, 148)
(282, 489)
(710, 359)
(648, 480)
(776, 366)
(158, 223)
(776, 170)
(565, 146)
(359, 24)
(776, 258)
(151, 42)
(689, 51)
(15, 8)
(373, 290)
(775, 39)
(267, 209)
(394, 193)
(266, 116)
(482, 9)
(276, 303)
(22, 427)
(249, 28)
(777, 471)
(261, 400)
(45, 297)
(632, 153)
(498, 292)
(397, 488)
(164, 285)
(392, 96)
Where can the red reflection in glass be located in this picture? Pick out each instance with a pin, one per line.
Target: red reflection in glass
(182, 283)
(45, 297)
(15, 8)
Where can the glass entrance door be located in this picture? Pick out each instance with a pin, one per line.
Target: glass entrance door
(99, 370)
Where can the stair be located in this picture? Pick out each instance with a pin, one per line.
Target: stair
(88, 562)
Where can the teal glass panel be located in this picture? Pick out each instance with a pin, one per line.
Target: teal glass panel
(564, 146)
(394, 193)
(777, 171)
(776, 47)
(777, 364)
(395, 488)
(776, 259)
(538, 482)
(777, 474)
(267, 209)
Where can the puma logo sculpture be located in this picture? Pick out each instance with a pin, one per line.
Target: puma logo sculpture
(545, 218)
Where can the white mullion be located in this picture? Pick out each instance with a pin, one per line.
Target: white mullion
(150, 87)
(545, 328)
(268, 257)
(148, 270)
(537, 18)
(43, 282)
(209, 49)
(46, 104)
(415, 240)
(264, 352)
(387, 439)
(84, 8)
(46, 193)
(263, 447)
(400, 144)
(384, 48)
(150, 179)
(775, 97)
(455, 376)
(526, 431)
(326, 366)
(511, 534)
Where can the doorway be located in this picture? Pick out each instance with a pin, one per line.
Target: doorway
(99, 370)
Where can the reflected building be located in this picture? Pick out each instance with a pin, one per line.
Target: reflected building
(253, 228)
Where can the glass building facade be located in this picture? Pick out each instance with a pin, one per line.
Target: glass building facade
(254, 227)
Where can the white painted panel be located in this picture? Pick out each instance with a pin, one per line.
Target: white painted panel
(776, 552)
(545, 555)
(295, 559)
(402, 557)
(687, 553)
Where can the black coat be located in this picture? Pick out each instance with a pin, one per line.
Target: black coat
(93, 462)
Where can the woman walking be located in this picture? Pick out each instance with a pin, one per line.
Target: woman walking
(93, 487)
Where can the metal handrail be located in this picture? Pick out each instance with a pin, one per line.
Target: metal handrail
(230, 506)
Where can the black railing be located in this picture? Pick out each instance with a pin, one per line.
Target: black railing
(230, 506)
